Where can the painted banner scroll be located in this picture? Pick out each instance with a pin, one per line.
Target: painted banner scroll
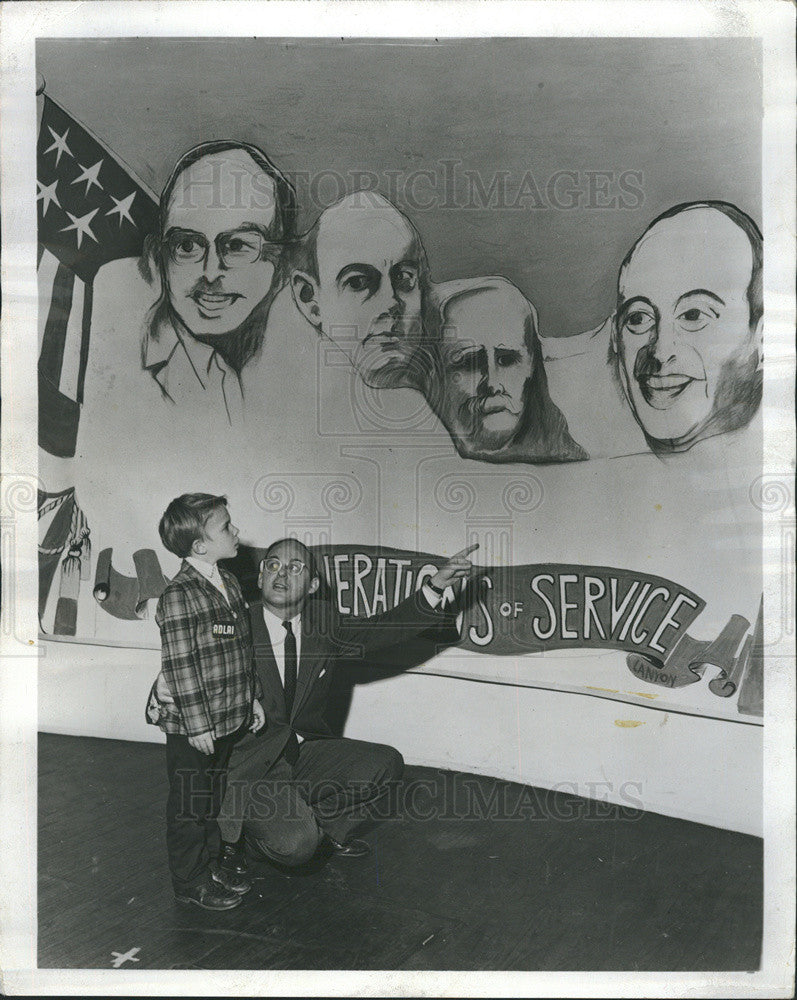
(510, 611)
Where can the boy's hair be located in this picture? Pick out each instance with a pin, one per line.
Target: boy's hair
(184, 521)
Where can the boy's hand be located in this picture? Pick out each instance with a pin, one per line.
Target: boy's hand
(203, 743)
(455, 568)
(259, 717)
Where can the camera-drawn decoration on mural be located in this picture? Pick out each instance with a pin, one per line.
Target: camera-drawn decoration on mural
(124, 596)
(65, 553)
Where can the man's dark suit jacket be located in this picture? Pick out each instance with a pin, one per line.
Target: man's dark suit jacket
(328, 639)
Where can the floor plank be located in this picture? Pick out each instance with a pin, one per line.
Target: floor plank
(466, 872)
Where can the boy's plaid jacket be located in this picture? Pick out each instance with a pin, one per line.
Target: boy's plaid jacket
(206, 655)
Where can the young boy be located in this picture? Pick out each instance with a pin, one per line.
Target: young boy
(208, 665)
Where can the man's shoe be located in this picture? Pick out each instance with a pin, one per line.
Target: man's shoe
(351, 849)
(209, 896)
(233, 859)
(229, 880)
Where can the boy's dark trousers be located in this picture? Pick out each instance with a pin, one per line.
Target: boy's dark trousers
(197, 783)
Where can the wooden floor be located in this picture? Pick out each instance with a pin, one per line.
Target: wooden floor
(560, 883)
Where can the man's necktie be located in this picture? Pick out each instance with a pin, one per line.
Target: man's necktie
(292, 746)
(290, 667)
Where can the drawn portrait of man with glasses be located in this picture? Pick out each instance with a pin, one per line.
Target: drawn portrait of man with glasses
(171, 331)
(226, 215)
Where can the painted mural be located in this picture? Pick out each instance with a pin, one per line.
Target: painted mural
(385, 364)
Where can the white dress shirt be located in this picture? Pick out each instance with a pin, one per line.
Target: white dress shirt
(276, 630)
(435, 600)
(211, 573)
(276, 633)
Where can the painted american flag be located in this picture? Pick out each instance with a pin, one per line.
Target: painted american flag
(91, 210)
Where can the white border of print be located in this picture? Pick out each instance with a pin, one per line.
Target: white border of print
(22, 23)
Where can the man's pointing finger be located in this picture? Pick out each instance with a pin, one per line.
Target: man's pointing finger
(465, 552)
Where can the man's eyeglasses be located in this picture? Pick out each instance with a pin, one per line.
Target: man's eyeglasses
(234, 249)
(294, 568)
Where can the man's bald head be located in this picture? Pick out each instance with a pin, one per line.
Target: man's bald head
(292, 548)
(288, 576)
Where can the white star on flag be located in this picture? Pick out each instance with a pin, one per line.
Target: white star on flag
(81, 226)
(122, 208)
(89, 175)
(59, 144)
(47, 195)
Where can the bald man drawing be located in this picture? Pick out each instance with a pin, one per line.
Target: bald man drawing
(359, 277)
(687, 337)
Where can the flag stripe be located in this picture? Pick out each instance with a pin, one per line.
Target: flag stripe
(78, 234)
(51, 358)
(73, 342)
(58, 420)
(88, 300)
(48, 268)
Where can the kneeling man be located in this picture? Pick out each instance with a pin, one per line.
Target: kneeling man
(292, 787)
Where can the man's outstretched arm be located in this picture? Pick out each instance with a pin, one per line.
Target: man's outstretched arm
(421, 612)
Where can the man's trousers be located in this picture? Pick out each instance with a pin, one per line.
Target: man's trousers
(289, 810)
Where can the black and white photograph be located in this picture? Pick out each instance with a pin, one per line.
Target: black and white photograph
(398, 499)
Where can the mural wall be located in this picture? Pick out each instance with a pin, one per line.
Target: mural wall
(396, 299)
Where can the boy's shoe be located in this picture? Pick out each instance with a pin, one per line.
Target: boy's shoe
(209, 896)
(229, 880)
(233, 859)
